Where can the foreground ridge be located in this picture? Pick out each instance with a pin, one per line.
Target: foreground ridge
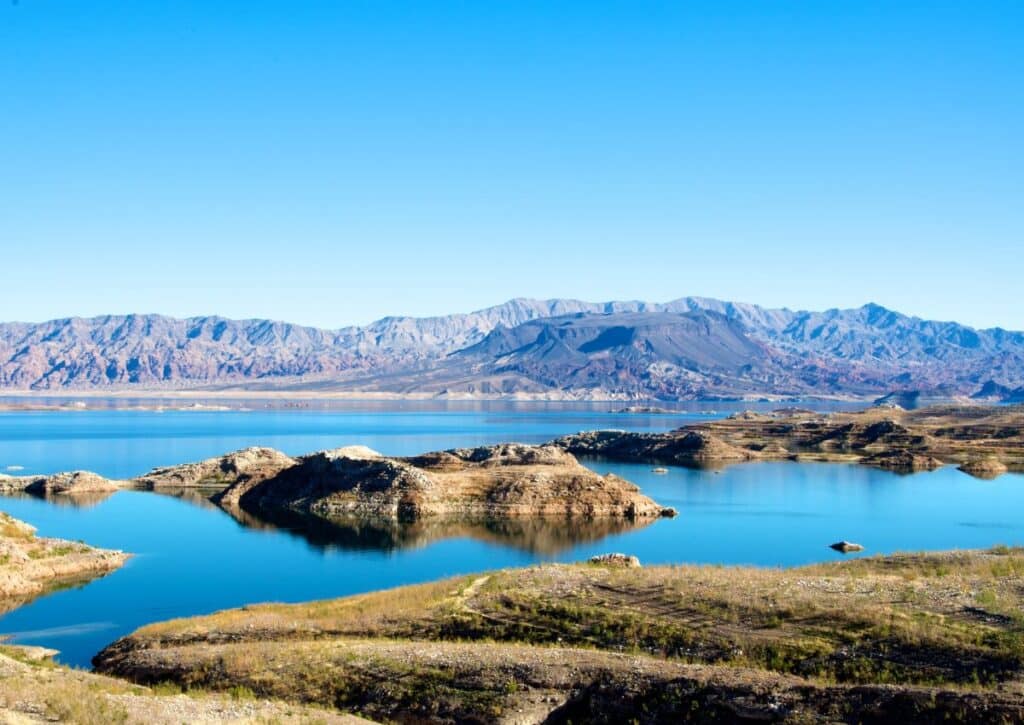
(912, 637)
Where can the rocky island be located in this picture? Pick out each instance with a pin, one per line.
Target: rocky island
(71, 484)
(931, 637)
(507, 481)
(488, 482)
(983, 440)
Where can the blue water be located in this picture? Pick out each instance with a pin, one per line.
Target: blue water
(192, 558)
(124, 443)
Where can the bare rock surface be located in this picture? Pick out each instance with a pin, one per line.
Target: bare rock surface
(846, 547)
(29, 564)
(60, 484)
(903, 461)
(987, 439)
(985, 468)
(688, 447)
(626, 560)
(508, 480)
(247, 464)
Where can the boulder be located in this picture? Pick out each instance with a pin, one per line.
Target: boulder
(623, 560)
(846, 546)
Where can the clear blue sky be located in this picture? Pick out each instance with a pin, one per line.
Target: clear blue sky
(332, 162)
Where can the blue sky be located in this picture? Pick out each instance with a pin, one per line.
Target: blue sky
(333, 162)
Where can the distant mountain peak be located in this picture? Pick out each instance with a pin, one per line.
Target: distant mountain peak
(689, 346)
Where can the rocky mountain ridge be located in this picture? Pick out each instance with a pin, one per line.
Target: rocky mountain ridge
(688, 348)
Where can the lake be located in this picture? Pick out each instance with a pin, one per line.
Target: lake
(192, 558)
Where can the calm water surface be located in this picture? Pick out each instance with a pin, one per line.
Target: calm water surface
(191, 558)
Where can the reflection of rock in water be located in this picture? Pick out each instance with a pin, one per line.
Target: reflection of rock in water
(198, 496)
(85, 499)
(539, 535)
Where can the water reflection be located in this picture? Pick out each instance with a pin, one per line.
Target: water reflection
(542, 536)
(77, 499)
(545, 536)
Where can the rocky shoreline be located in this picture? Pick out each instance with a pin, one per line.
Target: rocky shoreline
(30, 565)
(506, 481)
(983, 441)
(609, 641)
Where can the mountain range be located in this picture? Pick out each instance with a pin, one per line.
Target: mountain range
(692, 347)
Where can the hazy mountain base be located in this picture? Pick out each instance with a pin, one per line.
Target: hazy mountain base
(556, 349)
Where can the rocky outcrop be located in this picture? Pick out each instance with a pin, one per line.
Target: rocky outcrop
(29, 564)
(846, 547)
(329, 483)
(899, 440)
(869, 436)
(69, 484)
(462, 487)
(624, 560)
(489, 482)
(73, 485)
(249, 464)
(986, 468)
(685, 447)
(903, 461)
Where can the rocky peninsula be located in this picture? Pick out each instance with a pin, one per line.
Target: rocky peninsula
(30, 565)
(982, 440)
(931, 637)
(34, 689)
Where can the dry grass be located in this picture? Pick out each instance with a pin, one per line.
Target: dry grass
(31, 565)
(11, 528)
(376, 613)
(937, 619)
(40, 690)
